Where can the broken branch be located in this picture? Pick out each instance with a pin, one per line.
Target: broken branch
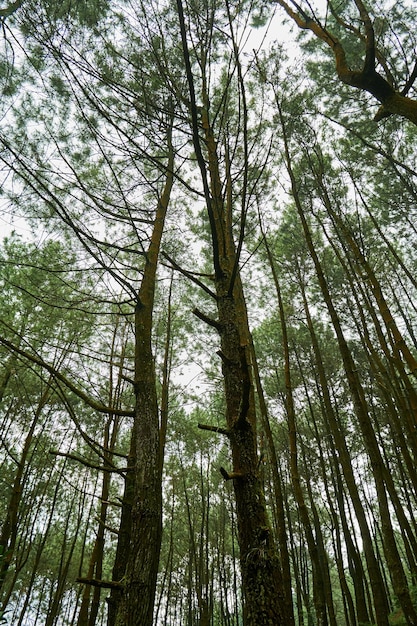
(104, 584)
(230, 475)
(214, 429)
(208, 320)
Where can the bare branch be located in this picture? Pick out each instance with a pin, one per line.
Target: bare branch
(231, 475)
(97, 406)
(79, 459)
(214, 429)
(189, 275)
(208, 320)
(104, 584)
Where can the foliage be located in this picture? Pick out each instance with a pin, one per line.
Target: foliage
(313, 204)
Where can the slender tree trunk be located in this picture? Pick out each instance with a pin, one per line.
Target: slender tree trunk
(355, 564)
(380, 600)
(313, 548)
(383, 479)
(9, 530)
(88, 612)
(65, 562)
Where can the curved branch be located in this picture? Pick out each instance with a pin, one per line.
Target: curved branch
(356, 31)
(367, 79)
(369, 65)
(100, 468)
(97, 406)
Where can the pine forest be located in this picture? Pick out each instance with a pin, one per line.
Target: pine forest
(208, 321)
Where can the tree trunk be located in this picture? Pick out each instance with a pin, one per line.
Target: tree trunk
(279, 496)
(355, 563)
(137, 601)
(262, 589)
(264, 599)
(9, 529)
(379, 596)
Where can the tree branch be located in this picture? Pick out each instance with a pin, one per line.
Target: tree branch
(369, 65)
(196, 139)
(189, 275)
(356, 31)
(367, 79)
(97, 406)
(208, 320)
(11, 8)
(104, 584)
(410, 81)
(225, 359)
(79, 459)
(214, 429)
(230, 475)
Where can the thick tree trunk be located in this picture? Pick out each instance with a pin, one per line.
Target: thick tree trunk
(137, 600)
(137, 603)
(264, 598)
(123, 542)
(282, 535)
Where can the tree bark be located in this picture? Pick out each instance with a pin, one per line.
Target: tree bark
(137, 601)
(262, 588)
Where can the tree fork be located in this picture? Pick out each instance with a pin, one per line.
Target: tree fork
(368, 79)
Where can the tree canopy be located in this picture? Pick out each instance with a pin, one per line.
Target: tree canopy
(208, 393)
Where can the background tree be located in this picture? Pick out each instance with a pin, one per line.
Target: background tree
(365, 44)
